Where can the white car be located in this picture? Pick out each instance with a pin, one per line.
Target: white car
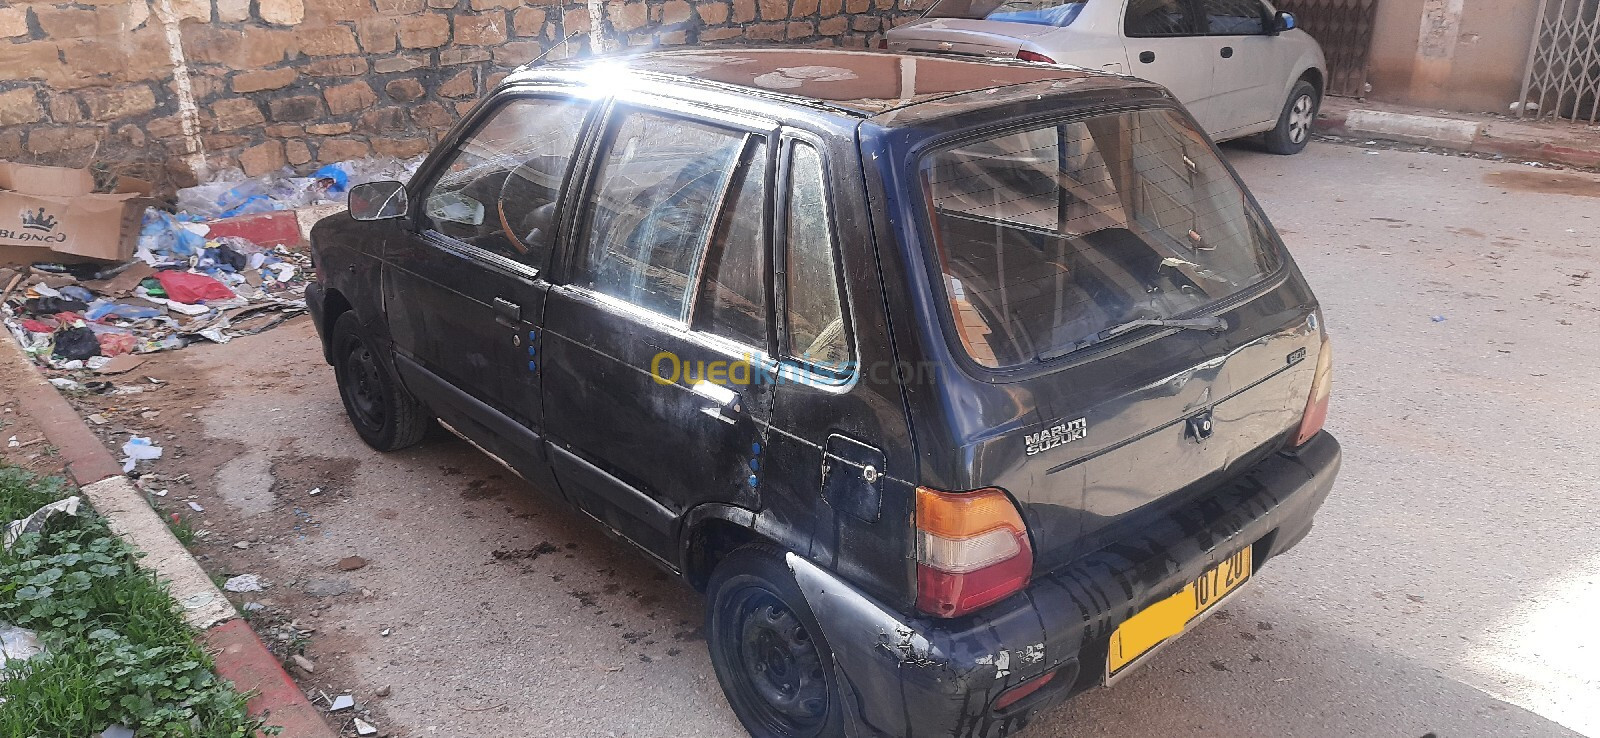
(1240, 66)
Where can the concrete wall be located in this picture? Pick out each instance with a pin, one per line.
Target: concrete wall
(1452, 54)
(162, 89)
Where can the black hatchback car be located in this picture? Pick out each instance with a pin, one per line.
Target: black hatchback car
(958, 386)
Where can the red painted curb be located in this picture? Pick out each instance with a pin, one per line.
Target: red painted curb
(242, 659)
(87, 460)
(262, 229)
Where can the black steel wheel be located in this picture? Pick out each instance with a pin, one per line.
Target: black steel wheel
(385, 416)
(769, 653)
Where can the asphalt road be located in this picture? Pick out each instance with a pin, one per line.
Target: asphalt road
(1449, 588)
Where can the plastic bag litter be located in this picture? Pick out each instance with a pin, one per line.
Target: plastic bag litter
(35, 523)
(243, 583)
(18, 644)
(138, 449)
(121, 310)
(76, 344)
(190, 288)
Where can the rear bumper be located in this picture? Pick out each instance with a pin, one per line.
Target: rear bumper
(928, 677)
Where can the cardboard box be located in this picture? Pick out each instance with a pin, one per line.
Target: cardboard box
(51, 214)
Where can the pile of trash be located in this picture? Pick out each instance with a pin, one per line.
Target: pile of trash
(184, 284)
(229, 193)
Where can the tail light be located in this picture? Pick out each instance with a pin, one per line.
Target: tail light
(972, 550)
(883, 43)
(1034, 56)
(1321, 390)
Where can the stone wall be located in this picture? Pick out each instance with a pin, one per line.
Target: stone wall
(167, 89)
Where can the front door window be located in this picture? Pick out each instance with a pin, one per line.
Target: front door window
(500, 190)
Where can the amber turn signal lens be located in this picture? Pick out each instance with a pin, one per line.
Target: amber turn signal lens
(1321, 391)
(965, 514)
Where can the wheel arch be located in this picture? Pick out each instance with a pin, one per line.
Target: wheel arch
(334, 304)
(713, 530)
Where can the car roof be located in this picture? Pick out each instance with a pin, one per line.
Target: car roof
(877, 85)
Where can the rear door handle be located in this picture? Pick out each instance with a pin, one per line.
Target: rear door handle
(1148, 57)
(726, 398)
(1227, 52)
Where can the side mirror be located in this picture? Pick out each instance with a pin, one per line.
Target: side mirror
(1283, 21)
(378, 201)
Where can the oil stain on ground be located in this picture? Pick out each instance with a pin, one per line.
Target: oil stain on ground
(1545, 183)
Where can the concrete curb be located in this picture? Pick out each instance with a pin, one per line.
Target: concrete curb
(1450, 133)
(239, 654)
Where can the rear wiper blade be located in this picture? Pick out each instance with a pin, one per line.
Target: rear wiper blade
(1212, 323)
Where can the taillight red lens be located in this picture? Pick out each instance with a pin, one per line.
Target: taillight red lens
(1034, 56)
(972, 550)
(1321, 390)
(883, 43)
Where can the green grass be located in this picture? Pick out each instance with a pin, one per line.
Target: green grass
(117, 649)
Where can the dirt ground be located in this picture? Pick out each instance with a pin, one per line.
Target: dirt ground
(1443, 591)
(477, 596)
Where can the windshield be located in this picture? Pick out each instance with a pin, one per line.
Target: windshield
(1048, 236)
(1058, 13)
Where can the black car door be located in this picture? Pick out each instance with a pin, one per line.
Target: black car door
(657, 343)
(464, 287)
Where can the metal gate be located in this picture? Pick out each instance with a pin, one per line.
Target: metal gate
(1344, 28)
(1562, 79)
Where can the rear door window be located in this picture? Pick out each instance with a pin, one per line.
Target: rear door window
(1148, 18)
(1057, 13)
(1049, 238)
(659, 184)
(733, 301)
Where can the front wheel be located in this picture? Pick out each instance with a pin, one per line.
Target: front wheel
(1294, 124)
(768, 649)
(384, 414)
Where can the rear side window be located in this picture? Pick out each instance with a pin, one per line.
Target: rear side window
(816, 334)
(656, 193)
(499, 191)
(1158, 18)
(1049, 238)
(1057, 13)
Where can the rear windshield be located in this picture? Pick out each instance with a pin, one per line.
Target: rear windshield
(1058, 13)
(1052, 238)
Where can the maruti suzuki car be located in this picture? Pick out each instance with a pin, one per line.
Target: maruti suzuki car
(958, 386)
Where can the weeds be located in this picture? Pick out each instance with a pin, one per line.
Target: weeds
(116, 648)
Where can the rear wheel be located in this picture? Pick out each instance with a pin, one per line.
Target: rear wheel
(1294, 123)
(384, 414)
(768, 650)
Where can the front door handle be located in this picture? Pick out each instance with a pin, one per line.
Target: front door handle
(1148, 57)
(1227, 52)
(507, 308)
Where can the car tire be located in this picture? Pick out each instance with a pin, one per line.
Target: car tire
(768, 651)
(384, 414)
(1294, 124)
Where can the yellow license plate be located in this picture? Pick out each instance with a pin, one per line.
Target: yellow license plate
(1170, 617)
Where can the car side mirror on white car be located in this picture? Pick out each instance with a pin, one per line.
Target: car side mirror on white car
(1282, 21)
